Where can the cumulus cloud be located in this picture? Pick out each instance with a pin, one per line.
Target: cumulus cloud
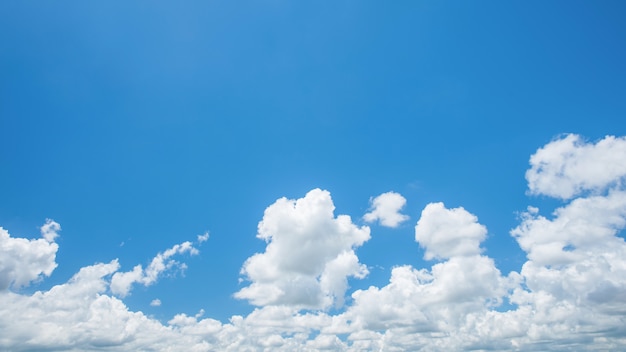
(427, 308)
(386, 209)
(155, 302)
(79, 315)
(23, 261)
(446, 233)
(583, 225)
(568, 295)
(309, 254)
(121, 282)
(568, 166)
(575, 259)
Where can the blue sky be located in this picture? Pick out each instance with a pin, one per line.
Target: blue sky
(140, 125)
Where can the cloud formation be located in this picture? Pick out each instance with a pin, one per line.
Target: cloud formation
(447, 233)
(568, 166)
(23, 261)
(386, 210)
(309, 255)
(570, 294)
(121, 282)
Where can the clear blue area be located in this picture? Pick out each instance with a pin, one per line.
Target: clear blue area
(146, 123)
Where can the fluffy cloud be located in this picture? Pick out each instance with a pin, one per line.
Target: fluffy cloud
(568, 295)
(428, 309)
(584, 226)
(576, 266)
(79, 315)
(386, 209)
(121, 282)
(23, 261)
(309, 255)
(446, 233)
(569, 165)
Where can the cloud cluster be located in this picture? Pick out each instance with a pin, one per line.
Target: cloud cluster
(81, 315)
(570, 294)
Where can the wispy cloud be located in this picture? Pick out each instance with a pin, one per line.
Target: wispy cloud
(121, 282)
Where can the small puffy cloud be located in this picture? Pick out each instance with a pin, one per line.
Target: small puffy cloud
(446, 233)
(203, 238)
(155, 302)
(386, 210)
(49, 230)
(309, 254)
(121, 282)
(568, 166)
(23, 261)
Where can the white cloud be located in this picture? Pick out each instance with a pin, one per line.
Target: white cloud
(386, 209)
(121, 282)
(203, 238)
(23, 261)
(446, 233)
(568, 166)
(49, 230)
(582, 226)
(427, 309)
(569, 295)
(155, 302)
(80, 316)
(306, 242)
(576, 261)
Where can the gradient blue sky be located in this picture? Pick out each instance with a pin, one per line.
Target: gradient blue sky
(137, 125)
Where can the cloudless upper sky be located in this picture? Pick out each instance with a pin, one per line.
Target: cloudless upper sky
(137, 125)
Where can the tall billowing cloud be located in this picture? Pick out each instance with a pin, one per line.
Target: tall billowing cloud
(386, 209)
(23, 261)
(309, 255)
